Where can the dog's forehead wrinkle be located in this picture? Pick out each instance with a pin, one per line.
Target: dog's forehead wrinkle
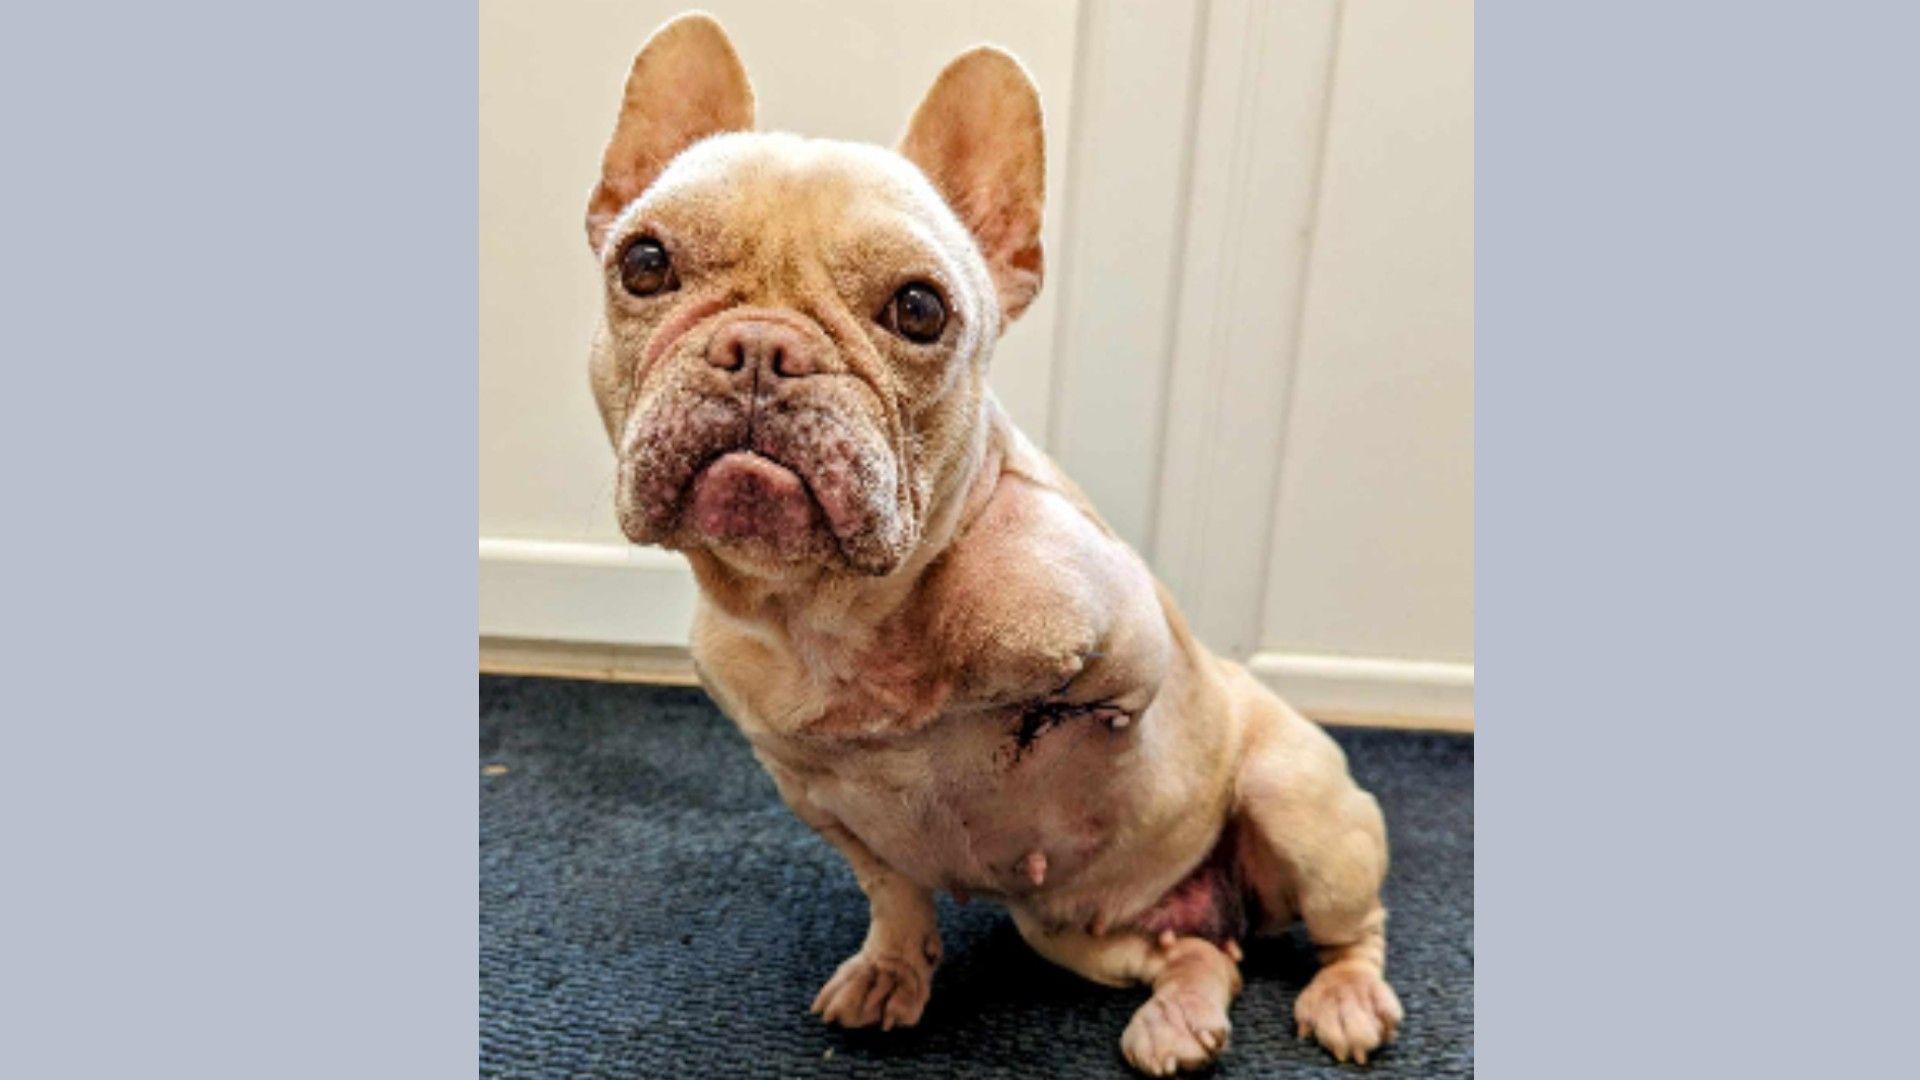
(772, 177)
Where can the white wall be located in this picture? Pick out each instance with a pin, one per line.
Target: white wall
(1255, 347)
(1373, 535)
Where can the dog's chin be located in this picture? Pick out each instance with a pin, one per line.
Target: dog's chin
(750, 505)
(759, 516)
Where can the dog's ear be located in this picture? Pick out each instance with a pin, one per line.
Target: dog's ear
(978, 137)
(686, 84)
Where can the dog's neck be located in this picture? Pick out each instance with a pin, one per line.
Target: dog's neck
(834, 604)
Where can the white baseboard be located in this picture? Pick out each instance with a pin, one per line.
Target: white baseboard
(616, 612)
(602, 593)
(1371, 690)
(663, 665)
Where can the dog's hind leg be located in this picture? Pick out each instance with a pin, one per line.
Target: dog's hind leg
(1184, 1024)
(1316, 848)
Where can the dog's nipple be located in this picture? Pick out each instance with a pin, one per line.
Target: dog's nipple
(1035, 866)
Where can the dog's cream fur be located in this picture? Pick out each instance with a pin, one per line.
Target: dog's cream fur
(950, 665)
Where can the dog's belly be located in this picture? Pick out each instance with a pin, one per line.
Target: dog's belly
(1212, 902)
(1009, 803)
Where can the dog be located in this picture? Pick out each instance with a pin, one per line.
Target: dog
(951, 667)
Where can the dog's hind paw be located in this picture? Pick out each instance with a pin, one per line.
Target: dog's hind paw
(1175, 1030)
(1350, 1009)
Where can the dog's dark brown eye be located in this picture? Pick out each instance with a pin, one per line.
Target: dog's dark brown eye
(645, 268)
(916, 313)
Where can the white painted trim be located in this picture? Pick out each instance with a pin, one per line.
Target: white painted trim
(662, 665)
(550, 595)
(563, 590)
(1333, 690)
(1127, 163)
(1256, 160)
(1360, 689)
(583, 553)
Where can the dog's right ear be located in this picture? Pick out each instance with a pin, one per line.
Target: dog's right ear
(686, 84)
(979, 137)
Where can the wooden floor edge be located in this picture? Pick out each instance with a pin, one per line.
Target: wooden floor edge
(661, 665)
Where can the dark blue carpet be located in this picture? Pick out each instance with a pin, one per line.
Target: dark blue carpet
(649, 908)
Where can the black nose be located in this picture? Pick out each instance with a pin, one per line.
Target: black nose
(773, 347)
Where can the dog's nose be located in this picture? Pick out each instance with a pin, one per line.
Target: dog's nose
(763, 344)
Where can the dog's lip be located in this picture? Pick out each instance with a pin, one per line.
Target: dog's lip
(837, 515)
(745, 453)
(758, 497)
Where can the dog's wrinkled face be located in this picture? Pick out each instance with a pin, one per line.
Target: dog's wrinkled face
(793, 355)
(790, 326)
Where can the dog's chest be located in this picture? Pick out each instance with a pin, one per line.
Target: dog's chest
(999, 771)
(997, 801)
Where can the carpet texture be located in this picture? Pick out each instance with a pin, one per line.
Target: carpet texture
(649, 908)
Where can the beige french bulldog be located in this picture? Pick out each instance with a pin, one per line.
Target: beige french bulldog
(950, 665)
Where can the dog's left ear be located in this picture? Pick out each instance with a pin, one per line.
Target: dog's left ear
(686, 84)
(978, 137)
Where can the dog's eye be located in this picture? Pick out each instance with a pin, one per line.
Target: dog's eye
(915, 313)
(645, 268)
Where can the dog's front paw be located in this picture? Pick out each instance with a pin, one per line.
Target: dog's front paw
(875, 988)
(1350, 1009)
(1175, 1030)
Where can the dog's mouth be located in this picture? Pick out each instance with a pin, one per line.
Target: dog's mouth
(745, 497)
(791, 484)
